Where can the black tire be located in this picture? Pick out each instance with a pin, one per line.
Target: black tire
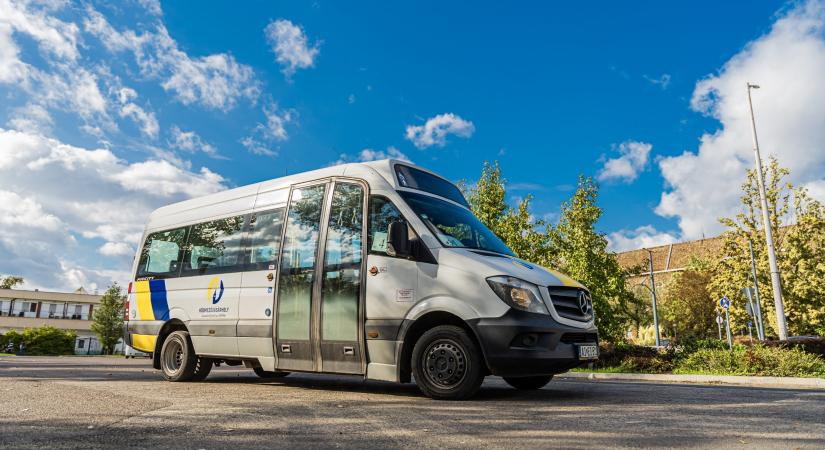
(177, 357)
(529, 383)
(269, 375)
(447, 363)
(202, 369)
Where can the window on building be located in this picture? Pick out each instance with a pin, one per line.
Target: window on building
(214, 247)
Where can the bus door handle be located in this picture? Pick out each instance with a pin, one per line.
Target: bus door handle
(285, 348)
(349, 351)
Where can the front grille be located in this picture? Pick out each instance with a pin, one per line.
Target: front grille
(579, 338)
(566, 302)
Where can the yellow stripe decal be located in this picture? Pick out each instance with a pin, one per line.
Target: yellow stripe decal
(144, 301)
(565, 280)
(144, 342)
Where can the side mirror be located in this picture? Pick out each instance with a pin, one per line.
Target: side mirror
(398, 241)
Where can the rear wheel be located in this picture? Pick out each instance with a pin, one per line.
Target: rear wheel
(177, 357)
(528, 383)
(202, 368)
(447, 363)
(267, 374)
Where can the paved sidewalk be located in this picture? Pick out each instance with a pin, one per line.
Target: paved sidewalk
(765, 382)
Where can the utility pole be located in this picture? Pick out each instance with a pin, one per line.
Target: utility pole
(653, 291)
(727, 327)
(760, 329)
(776, 282)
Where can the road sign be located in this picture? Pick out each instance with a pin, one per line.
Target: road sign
(720, 320)
(750, 324)
(724, 302)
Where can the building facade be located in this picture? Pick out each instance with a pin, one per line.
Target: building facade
(21, 309)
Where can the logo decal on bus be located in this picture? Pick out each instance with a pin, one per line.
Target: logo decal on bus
(215, 290)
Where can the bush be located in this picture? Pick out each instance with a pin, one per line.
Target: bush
(634, 358)
(815, 345)
(756, 360)
(687, 346)
(41, 341)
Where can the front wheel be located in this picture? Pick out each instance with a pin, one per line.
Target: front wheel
(528, 383)
(447, 363)
(177, 357)
(267, 374)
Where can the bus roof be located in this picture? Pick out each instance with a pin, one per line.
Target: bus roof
(377, 173)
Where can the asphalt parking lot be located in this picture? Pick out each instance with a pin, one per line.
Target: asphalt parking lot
(96, 402)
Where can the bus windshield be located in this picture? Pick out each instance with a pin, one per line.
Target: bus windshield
(454, 226)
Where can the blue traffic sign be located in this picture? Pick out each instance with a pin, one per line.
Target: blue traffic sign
(724, 302)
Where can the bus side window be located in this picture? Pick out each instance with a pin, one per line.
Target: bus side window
(264, 239)
(214, 247)
(160, 255)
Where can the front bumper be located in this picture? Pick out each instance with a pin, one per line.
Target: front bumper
(521, 343)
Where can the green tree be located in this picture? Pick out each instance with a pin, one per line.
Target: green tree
(798, 224)
(687, 309)
(108, 318)
(515, 226)
(10, 282)
(581, 252)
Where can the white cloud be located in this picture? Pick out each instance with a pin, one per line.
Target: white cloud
(146, 120)
(53, 36)
(435, 130)
(788, 62)
(12, 69)
(633, 157)
(31, 117)
(275, 127)
(261, 141)
(369, 154)
(257, 147)
(116, 249)
(290, 45)
(215, 81)
(49, 219)
(663, 81)
(643, 237)
(152, 7)
(191, 142)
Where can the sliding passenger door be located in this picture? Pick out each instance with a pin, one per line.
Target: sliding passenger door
(298, 289)
(319, 302)
(341, 281)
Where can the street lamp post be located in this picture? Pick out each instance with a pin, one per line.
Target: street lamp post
(653, 291)
(776, 282)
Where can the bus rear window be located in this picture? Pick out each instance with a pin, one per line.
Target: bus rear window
(423, 181)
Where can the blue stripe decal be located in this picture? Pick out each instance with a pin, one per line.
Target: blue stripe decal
(159, 304)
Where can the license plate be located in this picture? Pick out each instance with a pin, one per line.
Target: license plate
(588, 352)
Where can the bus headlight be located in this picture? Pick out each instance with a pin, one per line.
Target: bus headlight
(518, 293)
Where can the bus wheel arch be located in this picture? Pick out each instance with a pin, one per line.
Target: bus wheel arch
(168, 328)
(413, 330)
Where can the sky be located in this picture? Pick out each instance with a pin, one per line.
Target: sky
(108, 111)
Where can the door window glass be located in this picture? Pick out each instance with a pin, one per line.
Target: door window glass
(265, 239)
(382, 214)
(341, 283)
(298, 262)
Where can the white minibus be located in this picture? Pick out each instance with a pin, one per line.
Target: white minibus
(374, 269)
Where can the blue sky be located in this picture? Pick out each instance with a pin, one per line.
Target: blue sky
(110, 111)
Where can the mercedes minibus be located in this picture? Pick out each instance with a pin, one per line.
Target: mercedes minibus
(374, 269)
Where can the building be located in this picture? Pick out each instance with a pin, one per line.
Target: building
(668, 260)
(21, 309)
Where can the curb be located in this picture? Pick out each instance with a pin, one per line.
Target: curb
(766, 382)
